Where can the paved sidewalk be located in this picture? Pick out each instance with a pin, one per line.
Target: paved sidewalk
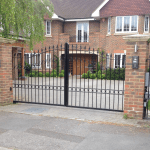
(35, 132)
(89, 115)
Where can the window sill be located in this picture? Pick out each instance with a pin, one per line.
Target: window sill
(48, 36)
(146, 33)
(130, 33)
(108, 34)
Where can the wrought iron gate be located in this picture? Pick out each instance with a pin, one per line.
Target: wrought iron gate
(146, 113)
(94, 80)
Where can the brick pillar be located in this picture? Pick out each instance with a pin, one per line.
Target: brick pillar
(135, 78)
(6, 82)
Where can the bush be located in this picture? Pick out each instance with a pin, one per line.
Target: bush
(88, 74)
(61, 75)
(115, 74)
(148, 105)
(47, 74)
(63, 71)
(27, 67)
(32, 74)
(53, 74)
(40, 74)
(92, 76)
(84, 75)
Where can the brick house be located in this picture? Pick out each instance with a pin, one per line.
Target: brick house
(98, 24)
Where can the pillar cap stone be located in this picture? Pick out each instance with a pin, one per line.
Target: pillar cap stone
(136, 38)
(5, 40)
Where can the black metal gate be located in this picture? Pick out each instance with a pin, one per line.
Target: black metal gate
(70, 76)
(146, 113)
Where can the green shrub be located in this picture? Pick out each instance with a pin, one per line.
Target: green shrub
(115, 74)
(148, 105)
(27, 67)
(88, 74)
(40, 74)
(63, 71)
(54, 71)
(32, 74)
(84, 75)
(92, 76)
(61, 75)
(53, 74)
(47, 74)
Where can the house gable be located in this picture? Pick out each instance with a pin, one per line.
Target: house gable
(125, 8)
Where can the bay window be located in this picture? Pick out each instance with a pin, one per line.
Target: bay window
(126, 24)
(82, 32)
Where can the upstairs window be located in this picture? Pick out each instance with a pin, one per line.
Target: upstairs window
(146, 24)
(82, 32)
(109, 25)
(48, 27)
(127, 24)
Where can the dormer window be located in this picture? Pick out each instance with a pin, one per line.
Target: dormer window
(126, 24)
(146, 24)
(48, 27)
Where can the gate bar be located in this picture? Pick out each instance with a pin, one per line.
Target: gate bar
(66, 77)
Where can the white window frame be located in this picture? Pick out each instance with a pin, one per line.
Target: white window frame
(35, 60)
(47, 54)
(144, 24)
(121, 54)
(123, 25)
(109, 25)
(82, 38)
(46, 27)
(107, 61)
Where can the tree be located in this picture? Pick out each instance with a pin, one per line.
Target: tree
(24, 18)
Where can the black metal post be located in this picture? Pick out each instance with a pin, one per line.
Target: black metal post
(66, 74)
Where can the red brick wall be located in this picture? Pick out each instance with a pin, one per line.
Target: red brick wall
(135, 80)
(6, 96)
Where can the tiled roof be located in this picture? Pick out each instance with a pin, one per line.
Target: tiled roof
(125, 8)
(74, 9)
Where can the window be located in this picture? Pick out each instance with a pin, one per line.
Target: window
(107, 61)
(48, 28)
(82, 29)
(48, 60)
(127, 24)
(109, 25)
(146, 24)
(119, 60)
(34, 59)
